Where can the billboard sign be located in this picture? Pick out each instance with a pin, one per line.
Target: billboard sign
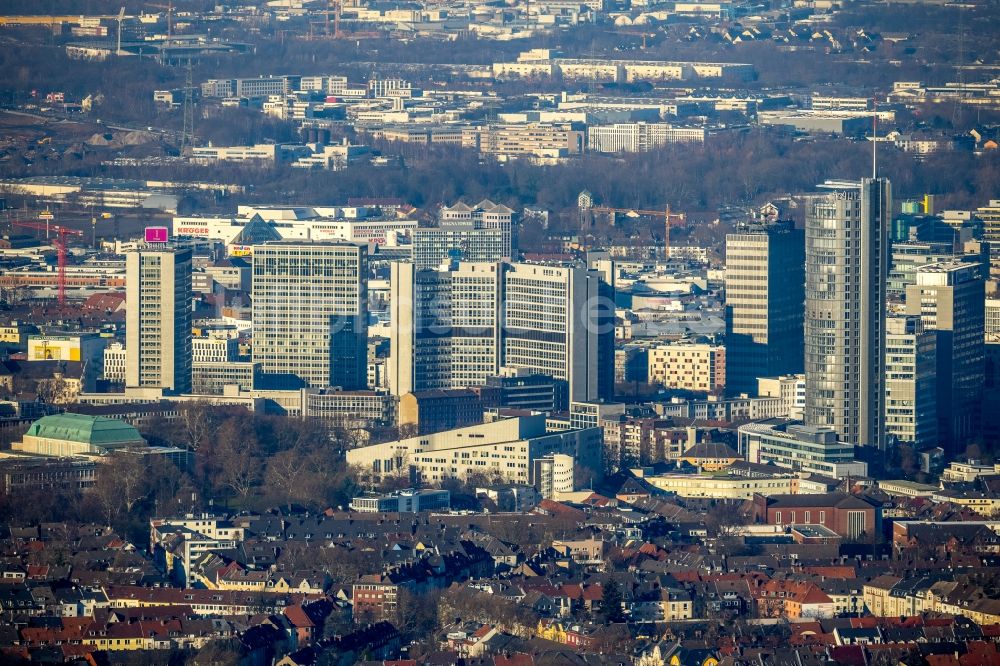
(157, 235)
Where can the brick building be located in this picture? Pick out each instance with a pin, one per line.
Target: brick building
(375, 598)
(845, 514)
(437, 410)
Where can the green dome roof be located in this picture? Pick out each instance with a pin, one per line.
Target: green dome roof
(96, 430)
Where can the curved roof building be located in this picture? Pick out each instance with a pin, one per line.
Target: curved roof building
(78, 434)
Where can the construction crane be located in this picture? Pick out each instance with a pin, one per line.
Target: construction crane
(669, 219)
(121, 17)
(170, 17)
(336, 19)
(60, 242)
(93, 227)
(332, 7)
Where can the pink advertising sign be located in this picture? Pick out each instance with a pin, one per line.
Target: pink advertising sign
(157, 235)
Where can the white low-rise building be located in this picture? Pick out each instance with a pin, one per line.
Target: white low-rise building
(800, 448)
(707, 486)
(507, 449)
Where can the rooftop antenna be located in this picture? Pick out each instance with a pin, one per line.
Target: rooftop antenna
(187, 134)
(874, 137)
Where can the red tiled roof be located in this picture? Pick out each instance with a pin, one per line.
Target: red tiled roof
(593, 592)
(687, 576)
(107, 301)
(803, 627)
(557, 509)
(37, 570)
(980, 653)
(832, 572)
(298, 617)
(851, 655)
(991, 630)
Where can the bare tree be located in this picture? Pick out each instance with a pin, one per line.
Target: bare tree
(130, 472)
(284, 474)
(199, 421)
(240, 470)
(237, 460)
(105, 490)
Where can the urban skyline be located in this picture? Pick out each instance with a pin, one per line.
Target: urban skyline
(611, 333)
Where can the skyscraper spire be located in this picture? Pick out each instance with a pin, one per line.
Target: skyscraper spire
(874, 137)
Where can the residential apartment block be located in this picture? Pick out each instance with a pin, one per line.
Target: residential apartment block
(694, 367)
(158, 319)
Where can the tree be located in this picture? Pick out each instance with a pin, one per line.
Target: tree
(199, 421)
(218, 653)
(53, 391)
(121, 482)
(416, 614)
(284, 475)
(130, 471)
(236, 455)
(611, 604)
(724, 519)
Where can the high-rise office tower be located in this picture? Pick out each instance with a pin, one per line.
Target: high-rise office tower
(158, 319)
(990, 216)
(846, 268)
(483, 215)
(765, 295)
(552, 325)
(310, 312)
(445, 326)
(433, 246)
(910, 381)
(905, 258)
(483, 232)
(950, 299)
(456, 326)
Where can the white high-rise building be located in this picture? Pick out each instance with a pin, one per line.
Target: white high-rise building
(310, 312)
(445, 326)
(432, 246)
(910, 382)
(158, 319)
(992, 318)
(846, 268)
(114, 363)
(454, 327)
